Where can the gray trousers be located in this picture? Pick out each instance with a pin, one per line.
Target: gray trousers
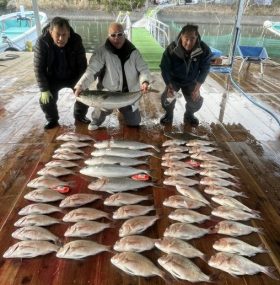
(132, 119)
(191, 106)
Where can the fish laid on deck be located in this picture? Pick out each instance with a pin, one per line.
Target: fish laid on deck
(191, 193)
(84, 214)
(120, 199)
(237, 246)
(182, 268)
(232, 228)
(135, 243)
(178, 246)
(130, 211)
(36, 220)
(238, 265)
(44, 195)
(30, 248)
(55, 171)
(72, 136)
(117, 184)
(234, 214)
(109, 159)
(179, 201)
(187, 216)
(78, 249)
(78, 199)
(85, 228)
(134, 145)
(136, 264)
(122, 152)
(137, 225)
(184, 231)
(39, 208)
(34, 233)
(111, 170)
(46, 182)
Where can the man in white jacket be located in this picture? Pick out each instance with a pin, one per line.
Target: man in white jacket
(123, 69)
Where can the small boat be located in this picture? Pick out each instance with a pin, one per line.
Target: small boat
(273, 27)
(18, 30)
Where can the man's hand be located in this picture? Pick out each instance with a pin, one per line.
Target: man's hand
(78, 91)
(45, 97)
(170, 91)
(145, 87)
(196, 92)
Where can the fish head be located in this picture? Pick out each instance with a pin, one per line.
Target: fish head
(12, 251)
(97, 184)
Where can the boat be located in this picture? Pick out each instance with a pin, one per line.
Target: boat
(18, 30)
(273, 27)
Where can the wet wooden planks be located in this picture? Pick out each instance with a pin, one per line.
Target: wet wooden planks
(249, 142)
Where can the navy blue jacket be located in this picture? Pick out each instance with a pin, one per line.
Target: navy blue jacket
(181, 68)
(44, 61)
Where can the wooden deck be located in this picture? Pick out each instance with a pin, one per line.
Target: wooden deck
(247, 136)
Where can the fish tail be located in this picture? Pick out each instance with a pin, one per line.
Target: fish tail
(268, 270)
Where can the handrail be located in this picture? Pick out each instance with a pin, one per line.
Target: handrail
(159, 30)
(124, 18)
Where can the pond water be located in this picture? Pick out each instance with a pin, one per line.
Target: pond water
(217, 36)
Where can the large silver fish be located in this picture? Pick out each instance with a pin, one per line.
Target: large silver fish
(108, 100)
(111, 170)
(119, 184)
(110, 159)
(135, 145)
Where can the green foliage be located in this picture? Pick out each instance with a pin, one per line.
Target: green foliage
(3, 3)
(122, 5)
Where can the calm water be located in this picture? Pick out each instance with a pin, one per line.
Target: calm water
(217, 36)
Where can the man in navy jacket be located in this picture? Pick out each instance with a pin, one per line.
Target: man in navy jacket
(59, 61)
(185, 65)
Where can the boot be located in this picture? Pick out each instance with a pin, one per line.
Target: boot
(191, 119)
(166, 119)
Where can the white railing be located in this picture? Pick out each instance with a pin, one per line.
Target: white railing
(124, 19)
(159, 31)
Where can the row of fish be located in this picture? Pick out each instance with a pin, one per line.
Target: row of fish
(232, 251)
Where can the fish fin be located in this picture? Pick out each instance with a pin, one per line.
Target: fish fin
(156, 148)
(268, 270)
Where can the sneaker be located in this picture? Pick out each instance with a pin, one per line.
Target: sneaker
(92, 126)
(191, 119)
(166, 119)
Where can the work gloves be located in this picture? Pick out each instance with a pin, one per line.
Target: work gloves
(45, 97)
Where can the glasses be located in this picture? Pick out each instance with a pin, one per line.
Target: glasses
(120, 34)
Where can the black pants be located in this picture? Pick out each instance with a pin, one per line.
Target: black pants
(51, 111)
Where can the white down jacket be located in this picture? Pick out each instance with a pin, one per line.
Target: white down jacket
(135, 68)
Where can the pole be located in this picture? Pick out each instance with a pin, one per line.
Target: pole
(236, 32)
(37, 17)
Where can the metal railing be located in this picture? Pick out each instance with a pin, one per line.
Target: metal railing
(159, 31)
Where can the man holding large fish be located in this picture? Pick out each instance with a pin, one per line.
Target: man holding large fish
(123, 71)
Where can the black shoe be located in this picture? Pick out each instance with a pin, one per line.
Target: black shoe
(191, 119)
(51, 125)
(84, 120)
(166, 119)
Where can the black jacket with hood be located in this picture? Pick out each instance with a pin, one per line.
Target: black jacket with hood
(45, 64)
(181, 68)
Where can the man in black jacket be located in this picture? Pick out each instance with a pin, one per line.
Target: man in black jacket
(184, 65)
(59, 61)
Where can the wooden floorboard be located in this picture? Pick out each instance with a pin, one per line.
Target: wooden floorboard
(246, 136)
